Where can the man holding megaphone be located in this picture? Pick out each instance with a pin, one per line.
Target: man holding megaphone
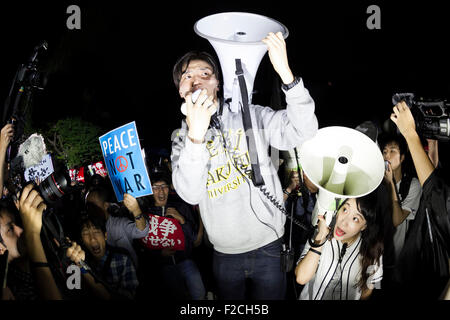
(211, 164)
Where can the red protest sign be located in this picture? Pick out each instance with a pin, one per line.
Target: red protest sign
(164, 233)
(100, 169)
(80, 175)
(73, 174)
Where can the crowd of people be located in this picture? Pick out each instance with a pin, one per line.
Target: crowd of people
(103, 245)
(392, 242)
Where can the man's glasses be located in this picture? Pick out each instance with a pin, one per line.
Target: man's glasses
(160, 187)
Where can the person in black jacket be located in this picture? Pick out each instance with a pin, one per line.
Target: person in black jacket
(424, 269)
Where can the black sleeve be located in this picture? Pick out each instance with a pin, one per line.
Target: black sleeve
(436, 197)
(189, 227)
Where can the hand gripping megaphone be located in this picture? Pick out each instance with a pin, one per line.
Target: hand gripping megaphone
(343, 163)
(238, 35)
(237, 39)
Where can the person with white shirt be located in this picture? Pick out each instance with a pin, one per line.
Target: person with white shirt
(406, 189)
(347, 264)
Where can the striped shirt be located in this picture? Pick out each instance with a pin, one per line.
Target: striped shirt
(338, 281)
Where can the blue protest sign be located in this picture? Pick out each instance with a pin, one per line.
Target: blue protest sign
(124, 161)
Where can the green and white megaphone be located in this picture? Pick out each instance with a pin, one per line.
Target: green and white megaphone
(343, 163)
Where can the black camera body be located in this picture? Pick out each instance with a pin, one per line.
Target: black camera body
(431, 116)
(51, 189)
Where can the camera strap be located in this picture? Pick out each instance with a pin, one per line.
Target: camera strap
(57, 235)
(50, 235)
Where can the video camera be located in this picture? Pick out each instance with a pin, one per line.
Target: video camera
(27, 80)
(25, 152)
(431, 116)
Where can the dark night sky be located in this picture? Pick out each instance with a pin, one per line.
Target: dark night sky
(117, 68)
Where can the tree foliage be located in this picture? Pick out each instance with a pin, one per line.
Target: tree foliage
(74, 141)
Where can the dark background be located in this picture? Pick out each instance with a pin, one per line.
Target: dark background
(118, 67)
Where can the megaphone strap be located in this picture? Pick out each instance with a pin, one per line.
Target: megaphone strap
(247, 121)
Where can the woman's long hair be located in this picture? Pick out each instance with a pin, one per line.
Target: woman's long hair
(372, 206)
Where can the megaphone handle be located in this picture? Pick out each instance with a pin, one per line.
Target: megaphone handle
(333, 219)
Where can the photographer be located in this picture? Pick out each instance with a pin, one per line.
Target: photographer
(424, 261)
(29, 276)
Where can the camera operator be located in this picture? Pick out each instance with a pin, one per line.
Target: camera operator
(424, 260)
(404, 120)
(31, 207)
(29, 276)
(6, 136)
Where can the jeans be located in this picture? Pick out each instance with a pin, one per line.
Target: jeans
(192, 278)
(254, 275)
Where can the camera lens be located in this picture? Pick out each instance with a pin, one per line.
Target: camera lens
(54, 187)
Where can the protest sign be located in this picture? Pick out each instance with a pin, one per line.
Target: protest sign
(124, 161)
(73, 174)
(164, 233)
(94, 168)
(80, 175)
(98, 168)
(41, 170)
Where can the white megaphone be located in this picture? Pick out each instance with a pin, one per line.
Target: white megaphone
(343, 163)
(238, 35)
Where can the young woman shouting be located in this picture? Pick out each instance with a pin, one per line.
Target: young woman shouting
(346, 264)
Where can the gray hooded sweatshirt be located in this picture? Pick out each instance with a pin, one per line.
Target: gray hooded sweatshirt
(237, 216)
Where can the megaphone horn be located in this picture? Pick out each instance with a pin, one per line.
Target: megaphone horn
(238, 35)
(343, 163)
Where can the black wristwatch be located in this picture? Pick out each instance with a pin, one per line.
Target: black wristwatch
(138, 217)
(288, 86)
